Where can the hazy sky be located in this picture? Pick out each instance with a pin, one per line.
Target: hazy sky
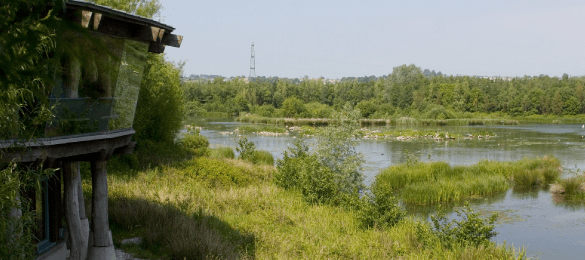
(340, 38)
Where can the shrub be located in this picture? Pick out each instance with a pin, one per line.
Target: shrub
(222, 152)
(380, 210)
(438, 112)
(470, 230)
(196, 143)
(245, 149)
(217, 173)
(330, 174)
(367, 108)
(160, 109)
(304, 171)
(264, 110)
(288, 174)
(262, 157)
(293, 107)
(17, 233)
(318, 110)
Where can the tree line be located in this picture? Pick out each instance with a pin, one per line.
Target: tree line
(407, 91)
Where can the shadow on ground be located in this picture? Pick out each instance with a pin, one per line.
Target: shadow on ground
(168, 232)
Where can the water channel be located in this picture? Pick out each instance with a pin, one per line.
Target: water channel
(549, 229)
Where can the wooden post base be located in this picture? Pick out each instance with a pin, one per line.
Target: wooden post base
(101, 252)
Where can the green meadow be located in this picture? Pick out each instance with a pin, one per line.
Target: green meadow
(186, 204)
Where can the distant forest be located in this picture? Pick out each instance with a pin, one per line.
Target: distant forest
(407, 91)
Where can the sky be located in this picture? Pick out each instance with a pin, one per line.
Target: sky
(335, 39)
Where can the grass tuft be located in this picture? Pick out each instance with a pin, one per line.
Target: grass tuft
(438, 182)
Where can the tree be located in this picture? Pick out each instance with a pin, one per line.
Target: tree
(292, 107)
(367, 108)
(557, 103)
(160, 109)
(29, 31)
(146, 8)
(28, 58)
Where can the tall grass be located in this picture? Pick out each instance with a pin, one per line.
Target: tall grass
(438, 182)
(570, 189)
(535, 172)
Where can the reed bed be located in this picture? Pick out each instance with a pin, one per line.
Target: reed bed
(570, 189)
(438, 182)
(405, 121)
(261, 128)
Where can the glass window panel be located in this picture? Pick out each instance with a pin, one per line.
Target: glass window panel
(128, 84)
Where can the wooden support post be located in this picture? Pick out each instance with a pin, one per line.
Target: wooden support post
(80, 199)
(78, 248)
(82, 217)
(100, 239)
(99, 206)
(54, 206)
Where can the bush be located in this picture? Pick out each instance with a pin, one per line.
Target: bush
(318, 110)
(288, 174)
(217, 173)
(222, 152)
(438, 112)
(332, 173)
(17, 233)
(245, 149)
(470, 230)
(305, 172)
(160, 110)
(264, 110)
(262, 157)
(293, 107)
(247, 152)
(367, 108)
(196, 143)
(379, 211)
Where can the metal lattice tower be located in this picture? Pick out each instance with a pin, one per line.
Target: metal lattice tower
(253, 64)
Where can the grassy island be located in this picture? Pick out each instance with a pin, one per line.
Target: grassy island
(438, 182)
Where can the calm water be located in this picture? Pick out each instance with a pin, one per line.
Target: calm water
(549, 229)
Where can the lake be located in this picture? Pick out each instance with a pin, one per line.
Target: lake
(549, 229)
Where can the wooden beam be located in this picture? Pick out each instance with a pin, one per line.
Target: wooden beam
(156, 47)
(97, 17)
(85, 18)
(70, 149)
(154, 31)
(128, 149)
(172, 40)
